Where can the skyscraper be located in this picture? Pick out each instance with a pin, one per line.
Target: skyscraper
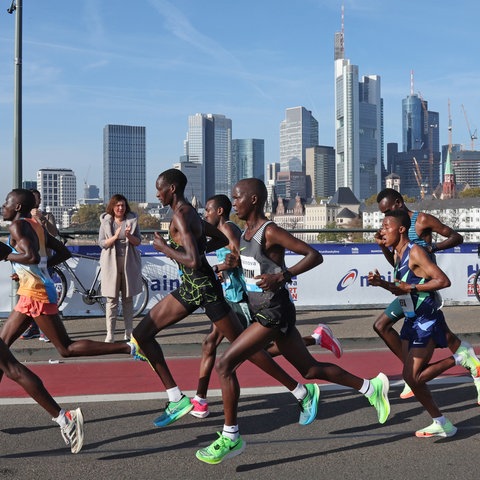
(209, 142)
(320, 170)
(58, 189)
(248, 159)
(358, 126)
(124, 162)
(298, 131)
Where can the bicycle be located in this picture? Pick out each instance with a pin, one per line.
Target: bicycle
(92, 294)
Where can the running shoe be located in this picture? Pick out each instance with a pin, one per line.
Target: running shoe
(470, 362)
(72, 432)
(199, 410)
(309, 405)
(31, 332)
(221, 449)
(437, 430)
(379, 398)
(44, 338)
(406, 392)
(173, 412)
(326, 339)
(135, 351)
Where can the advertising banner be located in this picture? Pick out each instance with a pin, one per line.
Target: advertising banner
(340, 282)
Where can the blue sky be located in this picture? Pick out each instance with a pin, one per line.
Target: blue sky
(154, 62)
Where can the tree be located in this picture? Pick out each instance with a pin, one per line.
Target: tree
(324, 237)
(87, 217)
(469, 192)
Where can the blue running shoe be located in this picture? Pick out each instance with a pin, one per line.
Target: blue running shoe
(309, 405)
(173, 412)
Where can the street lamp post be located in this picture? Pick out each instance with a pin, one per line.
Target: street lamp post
(16, 6)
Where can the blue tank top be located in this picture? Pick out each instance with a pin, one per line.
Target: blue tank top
(412, 233)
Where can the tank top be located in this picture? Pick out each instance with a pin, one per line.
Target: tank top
(413, 304)
(34, 280)
(255, 262)
(233, 283)
(412, 232)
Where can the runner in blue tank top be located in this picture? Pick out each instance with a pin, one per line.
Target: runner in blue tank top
(417, 278)
(423, 226)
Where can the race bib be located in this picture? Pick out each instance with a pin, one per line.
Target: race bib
(407, 305)
(251, 269)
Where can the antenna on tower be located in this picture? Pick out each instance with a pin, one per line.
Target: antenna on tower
(412, 89)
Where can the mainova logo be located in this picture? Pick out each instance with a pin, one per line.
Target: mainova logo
(347, 279)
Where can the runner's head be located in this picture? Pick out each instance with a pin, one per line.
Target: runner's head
(18, 203)
(389, 199)
(217, 207)
(170, 182)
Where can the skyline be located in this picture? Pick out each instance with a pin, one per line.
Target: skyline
(89, 64)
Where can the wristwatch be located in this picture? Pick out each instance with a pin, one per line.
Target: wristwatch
(413, 289)
(287, 276)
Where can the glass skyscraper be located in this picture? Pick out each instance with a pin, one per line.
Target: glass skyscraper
(248, 159)
(124, 162)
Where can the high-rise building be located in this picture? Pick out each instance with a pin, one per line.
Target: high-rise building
(320, 171)
(272, 171)
(209, 143)
(358, 126)
(58, 189)
(124, 162)
(248, 159)
(298, 131)
(193, 172)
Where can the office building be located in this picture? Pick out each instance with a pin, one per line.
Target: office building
(298, 131)
(248, 159)
(320, 171)
(358, 126)
(124, 162)
(193, 171)
(58, 189)
(209, 143)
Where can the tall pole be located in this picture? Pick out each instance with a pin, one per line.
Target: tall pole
(17, 96)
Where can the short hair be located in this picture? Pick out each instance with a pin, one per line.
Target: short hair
(257, 187)
(391, 193)
(118, 197)
(402, 216)
(222, 201)
(173, 176)
(26, 198)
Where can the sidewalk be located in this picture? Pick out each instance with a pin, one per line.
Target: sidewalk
(353, 327)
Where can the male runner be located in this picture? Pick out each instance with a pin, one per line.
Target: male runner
(200, 287)
(417, 278)
(37, 294)
(423, 225)
(262, 254)
(217, 213)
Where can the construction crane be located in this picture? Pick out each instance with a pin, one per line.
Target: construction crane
(449, 128)
(418, 177)
(473, 136)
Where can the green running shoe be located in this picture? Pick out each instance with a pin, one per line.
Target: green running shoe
(379, 398)
(309, 405)
(437, 430)
(221, 449)
(173, 412)
(469, 361)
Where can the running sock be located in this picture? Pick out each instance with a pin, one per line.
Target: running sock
(231, 432)
(61, 420)
(200, 400)
(174, 394)
(440, 420)
(317, 337)
(367, 388)
(299, 392)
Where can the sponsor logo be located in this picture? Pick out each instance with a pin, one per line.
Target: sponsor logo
(347, 280)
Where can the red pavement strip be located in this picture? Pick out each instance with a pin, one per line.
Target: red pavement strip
(116, 377)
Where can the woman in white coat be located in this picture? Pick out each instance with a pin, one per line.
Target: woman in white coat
(120, 262)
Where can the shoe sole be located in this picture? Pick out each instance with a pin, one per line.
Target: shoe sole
(385, 389)
(313, 417)
(79, 423)
(404, 396)
(196, 414)
(338, 351)
(232, 454)
(451, 433)
(171, 420)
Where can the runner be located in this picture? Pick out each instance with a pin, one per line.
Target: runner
(417, 278)
(262, 253)
(37, 294)
(423, 225)
(200, 287)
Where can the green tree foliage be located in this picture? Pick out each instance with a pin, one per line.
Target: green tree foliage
(324, 237)
(87, 217)
(469, 193)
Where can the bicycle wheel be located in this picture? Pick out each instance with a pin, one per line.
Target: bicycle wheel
(60, 282)
(476, 285)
